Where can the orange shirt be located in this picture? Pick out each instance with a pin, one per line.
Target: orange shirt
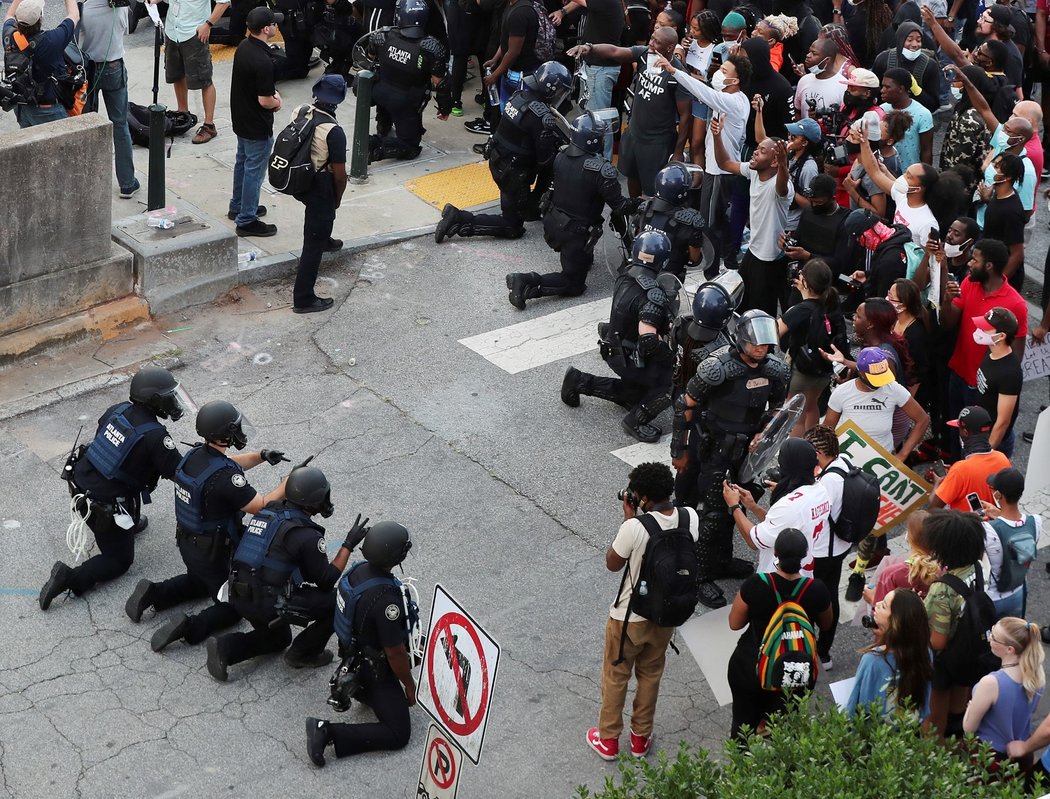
(969, 475)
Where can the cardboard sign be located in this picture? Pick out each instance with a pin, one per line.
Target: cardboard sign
(903, 491)
(1036, 360)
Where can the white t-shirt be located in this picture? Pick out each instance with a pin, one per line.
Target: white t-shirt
(919, 220)
(833, 485)
(827, 92)
(769, 213)
(735, 107)
(699, 58)
(630, 543)
(872, 411)
(806, 509)
(993, 548)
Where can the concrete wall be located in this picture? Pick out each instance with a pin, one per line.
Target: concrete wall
(56, 253)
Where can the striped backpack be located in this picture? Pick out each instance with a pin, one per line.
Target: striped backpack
(787, 654)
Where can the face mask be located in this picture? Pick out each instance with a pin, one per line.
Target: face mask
(718, 81)
(869, 239)
(855, 101)
(911, 55)
(855, 2)
(900, 185)
(816, 69)
(1004, 142)
(956, 92)
(954, 250)
(983, 338)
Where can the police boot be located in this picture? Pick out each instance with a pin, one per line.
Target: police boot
(523, 286)
(140, 599)
(571, 385)
(449, 224)
(375, 149)
(58, 582)
(648, 411)
(216, 660)
(643, 431)
(318, 736)
(312, 660)
(170, 632)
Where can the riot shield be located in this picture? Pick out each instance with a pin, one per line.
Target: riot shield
(773, 435)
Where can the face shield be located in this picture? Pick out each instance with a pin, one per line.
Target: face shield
(733, 283)
(241, 431)
(670, 286)
(757, 330)
(175, 403)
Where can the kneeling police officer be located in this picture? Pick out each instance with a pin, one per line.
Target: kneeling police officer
(523, 146)
(211, 494)
(113, 476)
(584, 183)
(282, 549)
(668, 212)
(633, 342)
(374, 621)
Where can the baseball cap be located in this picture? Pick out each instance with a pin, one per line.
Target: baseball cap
(29, 12)
(859, 220)
(998, 320)
(973, 419)
(805, 127)
(1009, 482)
(330, 89)
(259, 18)
(864, 78)
(874, 364)
(1000, 14)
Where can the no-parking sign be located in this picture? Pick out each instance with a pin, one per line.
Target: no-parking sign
(458, 673)
(442, 765)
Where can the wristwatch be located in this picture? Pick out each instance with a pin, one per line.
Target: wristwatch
(837, 11)
(951, 20)
(209, 23)
(738, 507)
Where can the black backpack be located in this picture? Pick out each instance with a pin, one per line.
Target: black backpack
(291, 168)
(665, 589)
(18, 68)
(175, 123)
(861, 502)
(805, 353)
(968, 656)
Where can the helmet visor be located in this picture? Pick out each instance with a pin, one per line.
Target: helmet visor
(241, 432)
(758, 331)
(175, 403)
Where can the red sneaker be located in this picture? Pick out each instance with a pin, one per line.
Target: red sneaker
(607, 748)
(641, 744)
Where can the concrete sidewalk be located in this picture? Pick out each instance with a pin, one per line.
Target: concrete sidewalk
(381, 210)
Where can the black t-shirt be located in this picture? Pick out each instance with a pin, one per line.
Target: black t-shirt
(253, 77)
(762, 604)
(520, 20)
(920, 344)
(654, 115)
(603, 25)
(999, 376)
(307, 549)
(1004, 220)
(336, 145)
(226, 492)
(379, 618)
(155, 456)
(798, 319)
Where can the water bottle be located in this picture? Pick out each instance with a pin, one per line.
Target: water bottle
(246, 257)
(493, 90)
(643, 588)
(161, 222)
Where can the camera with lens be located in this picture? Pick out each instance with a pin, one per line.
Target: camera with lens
(772, 475)
(345, 685)
(835, 152)
(869, 622)
(627, 495)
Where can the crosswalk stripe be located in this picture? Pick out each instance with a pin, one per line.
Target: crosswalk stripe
(711, 643)
(660, 452)
(543, 340)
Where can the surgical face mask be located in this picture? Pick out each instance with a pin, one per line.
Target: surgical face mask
(718, 81)
(954, 250)
(910, 55)
(1004, 141)
(816, 69)
(900, 185)
(983, 338)
(957, 93)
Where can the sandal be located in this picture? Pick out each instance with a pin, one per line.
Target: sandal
(205, 133)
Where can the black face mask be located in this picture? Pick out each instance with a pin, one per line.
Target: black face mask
(854, 101)
(851, 148)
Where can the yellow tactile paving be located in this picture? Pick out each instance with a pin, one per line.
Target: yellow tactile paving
(463, 186)
(225, 52)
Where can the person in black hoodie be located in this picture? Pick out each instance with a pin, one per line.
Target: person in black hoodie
(925, 70)
(776, 91)
(865, 26)
(796, 47)
(882, 247)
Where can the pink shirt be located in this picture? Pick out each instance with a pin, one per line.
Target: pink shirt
(1034, 148)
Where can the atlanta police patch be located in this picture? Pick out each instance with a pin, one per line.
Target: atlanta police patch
(393, 612)
(168, 443)
(239, 481)
(322, 547)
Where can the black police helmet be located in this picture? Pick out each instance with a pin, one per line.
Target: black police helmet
(411, 18)
(308, 488)
(712, 310)
(588, 133)
(652, 249)
(551, 81)
(386, 544)
(672, 183)
(156, 388)
(220, 422)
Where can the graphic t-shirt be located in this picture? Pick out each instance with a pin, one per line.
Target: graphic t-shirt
(999, 376)
(826, 93)
(808, 509)
(920, 220)
(654, 115)
(871, 411)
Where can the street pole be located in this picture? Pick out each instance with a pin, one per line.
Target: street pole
(362, 118)
(157, 120)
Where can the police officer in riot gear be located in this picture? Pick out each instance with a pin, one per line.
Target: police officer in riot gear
(734, 392)
(667, 212)
(523, 149)
(211, 494)
(374, 630)
(693, 338)
(282, 550)
(114, 475)
(584, 183)
(410, 65)
(297, 32)
(335, 32)
(634, 341)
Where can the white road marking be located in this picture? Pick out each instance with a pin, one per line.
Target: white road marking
(712, 643)
(660, 452)
(542, 340)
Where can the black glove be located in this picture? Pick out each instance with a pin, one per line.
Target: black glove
(357, 533)
(272, 456)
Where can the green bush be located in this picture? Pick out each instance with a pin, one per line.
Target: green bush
(819, 753)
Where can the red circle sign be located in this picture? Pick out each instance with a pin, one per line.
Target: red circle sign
(471, 721)
(441, 764)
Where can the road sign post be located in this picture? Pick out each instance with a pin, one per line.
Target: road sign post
(441, 767)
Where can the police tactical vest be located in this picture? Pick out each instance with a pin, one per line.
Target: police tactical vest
(114, 443)
(512, 135)
(346, 599)
(265, 529)
(401, 62)
(577, 179)
(189, 497)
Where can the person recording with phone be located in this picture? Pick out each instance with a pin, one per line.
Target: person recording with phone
(970, 474)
